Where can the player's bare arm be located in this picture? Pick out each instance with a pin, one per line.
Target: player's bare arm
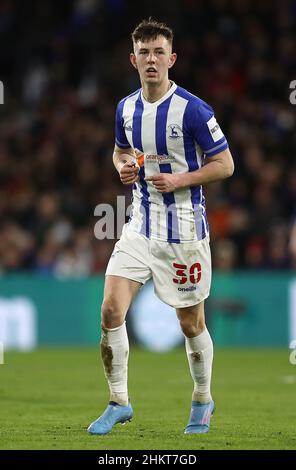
(125, 163)
(217, 168)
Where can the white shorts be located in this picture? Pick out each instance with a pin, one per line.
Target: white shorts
(181, 272)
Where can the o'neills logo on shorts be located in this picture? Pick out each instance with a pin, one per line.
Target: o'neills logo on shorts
(186, 289)
(159, 158)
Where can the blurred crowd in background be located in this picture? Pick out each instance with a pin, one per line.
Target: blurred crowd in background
(65, 65)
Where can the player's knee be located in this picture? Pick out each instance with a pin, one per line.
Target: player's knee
(191, 329)
(111, 316)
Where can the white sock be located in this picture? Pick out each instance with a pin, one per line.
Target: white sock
(115, 351)
(200, 357)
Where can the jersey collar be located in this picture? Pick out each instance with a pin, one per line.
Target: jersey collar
(163, 98)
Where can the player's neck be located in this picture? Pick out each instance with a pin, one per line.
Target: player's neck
(153, 91)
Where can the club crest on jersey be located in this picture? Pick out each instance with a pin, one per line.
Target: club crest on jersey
(175, 131)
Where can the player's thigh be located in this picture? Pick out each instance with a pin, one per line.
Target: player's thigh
(130, 258)
(118, 295)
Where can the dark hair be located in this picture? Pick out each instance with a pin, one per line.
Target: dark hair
(150, 29)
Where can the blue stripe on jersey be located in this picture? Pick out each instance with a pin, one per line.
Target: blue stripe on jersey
(191, 159)
(137, 142)
(120, 137)
(171, 210)
(161, 148)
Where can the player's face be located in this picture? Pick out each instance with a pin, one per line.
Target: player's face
(153, 59)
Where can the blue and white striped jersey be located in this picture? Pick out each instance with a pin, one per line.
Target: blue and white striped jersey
(175, 133)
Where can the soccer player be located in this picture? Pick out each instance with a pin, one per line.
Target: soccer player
(167, 236)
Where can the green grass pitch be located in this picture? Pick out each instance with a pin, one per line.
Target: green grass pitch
(48, 398)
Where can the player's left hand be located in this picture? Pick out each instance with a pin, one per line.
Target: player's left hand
(165, 182)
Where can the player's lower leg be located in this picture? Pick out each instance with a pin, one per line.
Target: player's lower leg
(114, 351)
(199, 351)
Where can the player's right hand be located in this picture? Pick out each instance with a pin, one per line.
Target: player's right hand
(129, 173)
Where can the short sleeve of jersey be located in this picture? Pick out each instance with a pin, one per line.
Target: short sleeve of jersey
(205, 129)
(120, 137)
